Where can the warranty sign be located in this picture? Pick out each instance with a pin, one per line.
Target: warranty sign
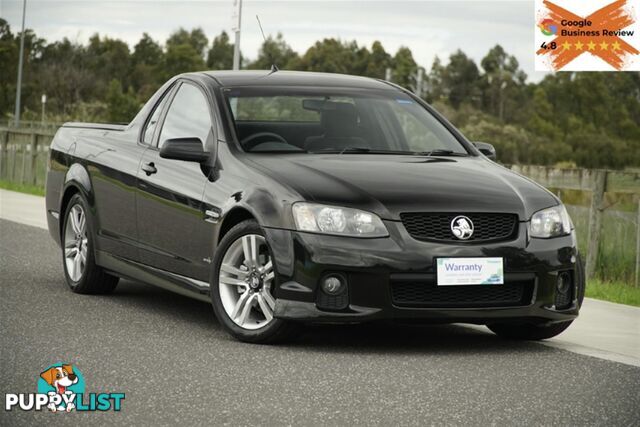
(587, 35)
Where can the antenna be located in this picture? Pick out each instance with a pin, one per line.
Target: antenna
(274, 67)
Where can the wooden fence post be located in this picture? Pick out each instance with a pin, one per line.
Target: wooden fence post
(34, 158)
(638, 247)
(4, 152)
(595, 220)
(24, 164)
(14, 151)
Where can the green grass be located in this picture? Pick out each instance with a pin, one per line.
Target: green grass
(614, 291)
(617, 250)
(22, 188)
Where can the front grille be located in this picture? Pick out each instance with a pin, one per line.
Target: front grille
(487, 227)
(426, 294)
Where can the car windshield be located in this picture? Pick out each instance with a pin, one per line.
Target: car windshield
(277, 120)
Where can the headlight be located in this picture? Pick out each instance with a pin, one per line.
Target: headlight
(551, 222)
(335, 220)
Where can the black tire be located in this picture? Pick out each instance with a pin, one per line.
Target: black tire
(93, 280)
(278, 330)
(524, 331)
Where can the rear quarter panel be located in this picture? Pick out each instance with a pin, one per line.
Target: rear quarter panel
(102, 164)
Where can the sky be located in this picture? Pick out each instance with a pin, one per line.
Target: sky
(429, 28)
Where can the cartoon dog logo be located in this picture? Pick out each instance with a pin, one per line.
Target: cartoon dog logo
(60, 377)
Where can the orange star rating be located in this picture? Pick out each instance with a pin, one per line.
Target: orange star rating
(591, 45)
(604, 45)
(566, 45)
(579, 45)
(615, 45)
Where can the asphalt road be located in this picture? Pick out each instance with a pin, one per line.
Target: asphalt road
(176, 365)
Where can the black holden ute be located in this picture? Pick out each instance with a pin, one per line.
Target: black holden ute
(285, 198)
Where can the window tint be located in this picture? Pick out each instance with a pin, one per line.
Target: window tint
(335, 119)
(188, 116)
(422, 132)
(275, 108)
(153, 121)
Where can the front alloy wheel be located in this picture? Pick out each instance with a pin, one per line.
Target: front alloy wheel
(245, 280)
(243, 286)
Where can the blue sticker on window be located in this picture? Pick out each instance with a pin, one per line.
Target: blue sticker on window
(404, 101)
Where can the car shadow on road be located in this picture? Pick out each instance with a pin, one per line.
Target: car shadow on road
(409, 338)
(376, 337)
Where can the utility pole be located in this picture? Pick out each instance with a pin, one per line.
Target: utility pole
(419, 81)
(387, 74)
(237, 24)
(418, 78)
(44, 102)
(503, 86)
(19, 85)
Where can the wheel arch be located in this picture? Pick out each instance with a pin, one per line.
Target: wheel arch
(76, 181)
(234, 217)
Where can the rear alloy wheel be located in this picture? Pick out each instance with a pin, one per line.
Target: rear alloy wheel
(243, 285)
(75, 242)
(82, 274)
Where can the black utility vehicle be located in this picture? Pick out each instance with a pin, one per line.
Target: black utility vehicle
(289, 197)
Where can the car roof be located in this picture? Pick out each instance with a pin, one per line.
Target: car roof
(294, 78)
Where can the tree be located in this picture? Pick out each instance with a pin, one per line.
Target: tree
(108, 58)
(8, 63)
(502, 81)
(122, 106)
(378, 61)
(220, 56)
(196, 39)
(275, 51)
(590, 119)
(146, 62)
(182, 58)
(147, 51)
(404, 68)
(335, 56)
(436, 89)
(460, 78)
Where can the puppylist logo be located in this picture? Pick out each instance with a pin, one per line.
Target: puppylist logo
(61, 388)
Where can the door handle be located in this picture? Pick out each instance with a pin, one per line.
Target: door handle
(149, 168)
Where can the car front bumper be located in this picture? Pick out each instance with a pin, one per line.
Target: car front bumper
(374, 267)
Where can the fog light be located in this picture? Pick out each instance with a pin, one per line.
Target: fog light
(563, 284)
(333, 285)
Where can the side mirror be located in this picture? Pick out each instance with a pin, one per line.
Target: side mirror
(487, 149)
(187, 149)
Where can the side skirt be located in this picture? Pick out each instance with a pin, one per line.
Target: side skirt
(154, 276)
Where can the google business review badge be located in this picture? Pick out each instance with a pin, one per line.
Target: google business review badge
(587, 35)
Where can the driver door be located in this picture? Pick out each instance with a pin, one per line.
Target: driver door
(172, 233)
